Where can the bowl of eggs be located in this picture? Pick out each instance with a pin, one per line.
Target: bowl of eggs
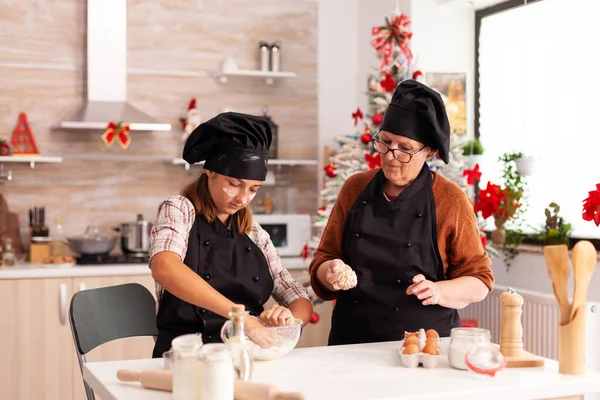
(421, 348)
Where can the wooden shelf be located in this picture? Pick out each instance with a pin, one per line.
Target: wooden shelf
(32, 160)
(277, 161)
(229, 69)
(268, 76)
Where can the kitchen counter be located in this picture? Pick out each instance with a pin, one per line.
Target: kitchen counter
(36, 271)
(366, 371)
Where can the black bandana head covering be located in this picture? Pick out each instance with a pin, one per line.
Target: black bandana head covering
(232, 144)
(418, 112)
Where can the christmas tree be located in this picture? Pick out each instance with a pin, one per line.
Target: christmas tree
(355, 153)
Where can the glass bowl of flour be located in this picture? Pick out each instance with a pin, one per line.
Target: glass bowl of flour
(273, 342)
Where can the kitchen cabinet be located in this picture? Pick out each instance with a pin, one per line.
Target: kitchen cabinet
(38, 355)
(37, 349)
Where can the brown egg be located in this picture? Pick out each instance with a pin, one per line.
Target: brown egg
(433, 340)
(431, 348)
(411, 349)
(431, 333)
(408, 334)
(411, 340)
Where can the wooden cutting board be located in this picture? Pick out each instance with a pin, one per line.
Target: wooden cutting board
(9, 226)
(526, 360)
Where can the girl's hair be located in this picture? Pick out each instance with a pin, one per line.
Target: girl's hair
(197, 192)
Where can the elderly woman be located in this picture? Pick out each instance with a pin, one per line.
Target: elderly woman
(401, 250)
(206, 251)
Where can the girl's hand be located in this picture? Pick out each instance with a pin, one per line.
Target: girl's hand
(277, 316)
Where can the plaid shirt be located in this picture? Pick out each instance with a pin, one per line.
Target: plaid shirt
(176, 216)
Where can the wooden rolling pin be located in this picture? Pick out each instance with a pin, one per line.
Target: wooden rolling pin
(163, 380)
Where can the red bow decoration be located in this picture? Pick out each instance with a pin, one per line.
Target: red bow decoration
(357, 115)
(398, 31)
(388, 84)
(118, 131)
(591, 206)
(374, 161)
(472, 174)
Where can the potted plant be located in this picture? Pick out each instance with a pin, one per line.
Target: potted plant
(525, 164)
(472, 151)
(506, 204)
(556, 231)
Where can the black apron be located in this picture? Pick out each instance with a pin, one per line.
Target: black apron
(387, 244)
(232, 264)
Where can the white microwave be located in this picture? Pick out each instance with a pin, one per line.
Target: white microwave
(289, 232)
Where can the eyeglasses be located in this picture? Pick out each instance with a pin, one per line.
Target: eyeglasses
(400, 155)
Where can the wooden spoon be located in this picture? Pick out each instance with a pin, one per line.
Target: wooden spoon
(559, 269)
(584, 262)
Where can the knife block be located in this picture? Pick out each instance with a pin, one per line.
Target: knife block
(571, 344)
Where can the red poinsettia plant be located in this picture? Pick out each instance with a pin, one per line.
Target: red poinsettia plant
(591, 206)
(499, 202)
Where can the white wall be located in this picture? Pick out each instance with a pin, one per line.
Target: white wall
(337, 70)
(444, 41)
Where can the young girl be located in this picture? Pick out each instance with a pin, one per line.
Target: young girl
(206, 252)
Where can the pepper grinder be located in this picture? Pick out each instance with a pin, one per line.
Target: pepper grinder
(511, 328)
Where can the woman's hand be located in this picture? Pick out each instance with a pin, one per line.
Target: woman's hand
(277, 316)
(340, 276)
(427, 291)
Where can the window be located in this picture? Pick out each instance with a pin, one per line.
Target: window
(539, 91)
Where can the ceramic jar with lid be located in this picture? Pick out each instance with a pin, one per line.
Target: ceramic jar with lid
(462, 340)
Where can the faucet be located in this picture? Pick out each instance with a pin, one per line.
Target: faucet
(5, 176)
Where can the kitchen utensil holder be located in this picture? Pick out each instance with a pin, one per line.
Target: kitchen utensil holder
(571, 344)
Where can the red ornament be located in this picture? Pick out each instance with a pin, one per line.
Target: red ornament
(330, 171)
(314, 318)
(388, 84)
(365, 138)
(483, 239)
(357, 115)
(377, 119)
(591, 206)
(417, 76)
(304, 253)
(23, 141)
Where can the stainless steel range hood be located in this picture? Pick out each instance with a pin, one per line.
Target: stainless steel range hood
(107, 73)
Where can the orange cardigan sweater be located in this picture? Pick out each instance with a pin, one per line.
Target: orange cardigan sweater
(458, 237)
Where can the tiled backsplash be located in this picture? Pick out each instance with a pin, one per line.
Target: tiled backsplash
(174, 52)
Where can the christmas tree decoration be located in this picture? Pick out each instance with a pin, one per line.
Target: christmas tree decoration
(118, 131)
(23, 141)
(5, 148)
(191, 120)
(365, 138)
(330, 171)
(377, 119)
(314, 318)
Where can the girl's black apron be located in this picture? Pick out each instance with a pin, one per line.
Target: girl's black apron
(387, 244)
(232, 264)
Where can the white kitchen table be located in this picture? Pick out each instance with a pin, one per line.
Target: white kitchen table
(366, 371)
